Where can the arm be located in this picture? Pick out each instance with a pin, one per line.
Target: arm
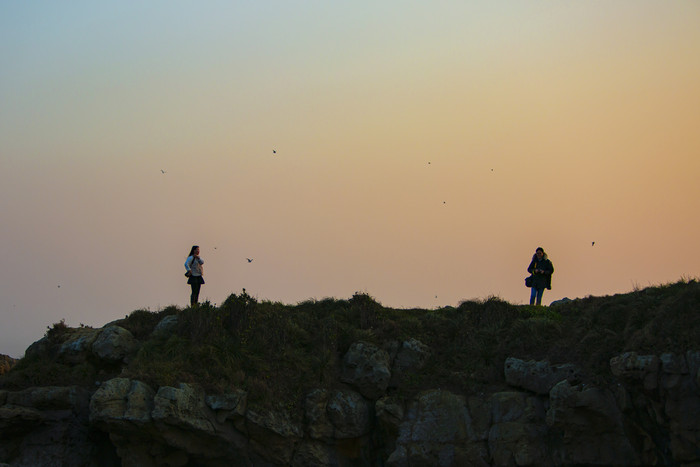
(531, 267)
(549, 268)
(188, 262)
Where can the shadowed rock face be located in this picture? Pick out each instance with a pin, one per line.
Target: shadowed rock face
(125, 422)
(646, 414)
(6, 362)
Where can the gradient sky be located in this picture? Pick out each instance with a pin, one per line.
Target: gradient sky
(424, 150)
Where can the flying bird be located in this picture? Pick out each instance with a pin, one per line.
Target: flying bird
(274, 152)
(249, 260)
(592, 243)
(162, 171)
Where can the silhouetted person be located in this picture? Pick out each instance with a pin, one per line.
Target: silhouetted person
(541, 269)
(193, 265)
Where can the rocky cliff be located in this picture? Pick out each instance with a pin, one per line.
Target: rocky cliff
(6, 362)
(640, 409)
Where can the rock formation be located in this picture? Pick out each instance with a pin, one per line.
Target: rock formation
(643, 411)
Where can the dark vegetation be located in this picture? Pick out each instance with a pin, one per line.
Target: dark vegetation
(278, 352)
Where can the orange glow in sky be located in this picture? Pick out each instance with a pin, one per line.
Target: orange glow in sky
(422, 152)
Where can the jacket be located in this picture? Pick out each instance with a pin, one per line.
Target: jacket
(541, 280)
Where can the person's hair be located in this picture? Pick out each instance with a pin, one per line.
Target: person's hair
(539, 248)
(194, 247)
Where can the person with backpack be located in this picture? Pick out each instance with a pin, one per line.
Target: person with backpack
(193, 266)
(541, 270)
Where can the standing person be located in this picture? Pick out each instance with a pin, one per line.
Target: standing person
(541, 269)
(193, 265)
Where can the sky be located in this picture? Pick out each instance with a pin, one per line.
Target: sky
(415, 151)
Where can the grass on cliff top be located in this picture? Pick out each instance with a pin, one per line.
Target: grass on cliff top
(278, 352)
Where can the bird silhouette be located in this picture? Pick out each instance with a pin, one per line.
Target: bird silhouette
(162, 171)
(592, 243)
(249, 260)
(274, 152)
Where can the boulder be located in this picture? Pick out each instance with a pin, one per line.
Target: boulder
(367, 368)
(339, 414)
(561, 301)
(114, 344)
(78, 342)
(165, 327)
(121, 401)
(349, 413)
(183, 407)
(537, 376)
(633, 367)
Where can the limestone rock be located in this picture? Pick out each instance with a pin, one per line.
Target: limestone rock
(411, 357)
(231, 405)
(643, 368)
(367, 368)
(317, 422)
(673, 364)
(273, 434)
(389, 412)
(122, 400)
(349, 413)
(537, 376)
(338, 414)
(437, 430)
(48, 426)
(78, 342)
(589, 427)
(114, 344)
(183, 407)
(16, 420)
(165, 327)
(518, 430)
(561, 301)
(50, 398)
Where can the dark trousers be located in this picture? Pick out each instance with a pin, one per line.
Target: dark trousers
(194, 298)
(536, 294)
